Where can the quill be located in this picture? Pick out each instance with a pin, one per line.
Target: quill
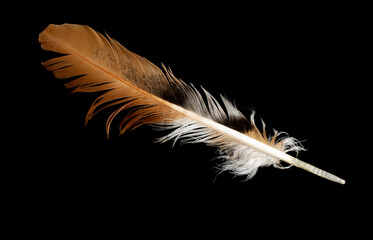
(149, 95)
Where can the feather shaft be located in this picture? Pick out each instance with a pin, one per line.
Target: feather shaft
(244, 139)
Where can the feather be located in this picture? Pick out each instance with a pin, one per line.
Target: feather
(152, 96)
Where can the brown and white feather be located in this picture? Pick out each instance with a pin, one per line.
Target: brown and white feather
(152, 96)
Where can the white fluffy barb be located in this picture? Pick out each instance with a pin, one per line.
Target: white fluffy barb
(238, 158)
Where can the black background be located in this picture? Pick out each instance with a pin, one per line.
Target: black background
(298, 67)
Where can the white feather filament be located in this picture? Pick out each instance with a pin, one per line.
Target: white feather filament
(244, 155)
